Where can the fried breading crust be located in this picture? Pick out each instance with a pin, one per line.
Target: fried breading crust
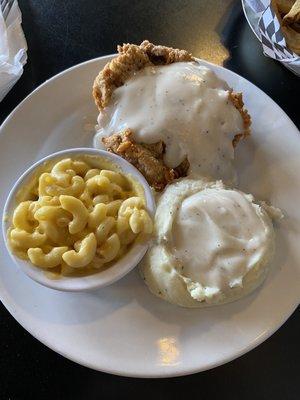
(147, 158)
(237, 100)
(131, 59)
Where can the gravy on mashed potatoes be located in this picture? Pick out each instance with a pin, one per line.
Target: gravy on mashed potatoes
(212, 246)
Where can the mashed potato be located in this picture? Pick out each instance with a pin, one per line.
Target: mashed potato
(213, 244)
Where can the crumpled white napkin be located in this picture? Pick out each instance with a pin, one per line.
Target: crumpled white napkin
(13, 49)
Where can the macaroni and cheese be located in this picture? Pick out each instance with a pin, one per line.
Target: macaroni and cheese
(77, 216)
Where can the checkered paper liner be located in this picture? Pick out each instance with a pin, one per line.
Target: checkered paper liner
(272, 39)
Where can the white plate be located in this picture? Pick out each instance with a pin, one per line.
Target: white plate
(123, 329)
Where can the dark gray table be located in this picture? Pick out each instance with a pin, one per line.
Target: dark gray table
(63, 33)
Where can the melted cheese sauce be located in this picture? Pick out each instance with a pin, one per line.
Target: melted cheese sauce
(185, 105)
(219, 235)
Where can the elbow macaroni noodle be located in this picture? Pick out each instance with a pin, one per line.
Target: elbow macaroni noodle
(78, 218)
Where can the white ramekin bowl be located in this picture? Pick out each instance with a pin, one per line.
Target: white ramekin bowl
(102, 278)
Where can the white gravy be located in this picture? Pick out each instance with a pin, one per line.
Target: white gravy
(219, 235)
(185, 105)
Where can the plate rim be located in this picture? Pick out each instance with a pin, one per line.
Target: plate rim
(181, 371)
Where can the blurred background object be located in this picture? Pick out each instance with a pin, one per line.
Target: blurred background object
(278, 42)
(13, 45)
